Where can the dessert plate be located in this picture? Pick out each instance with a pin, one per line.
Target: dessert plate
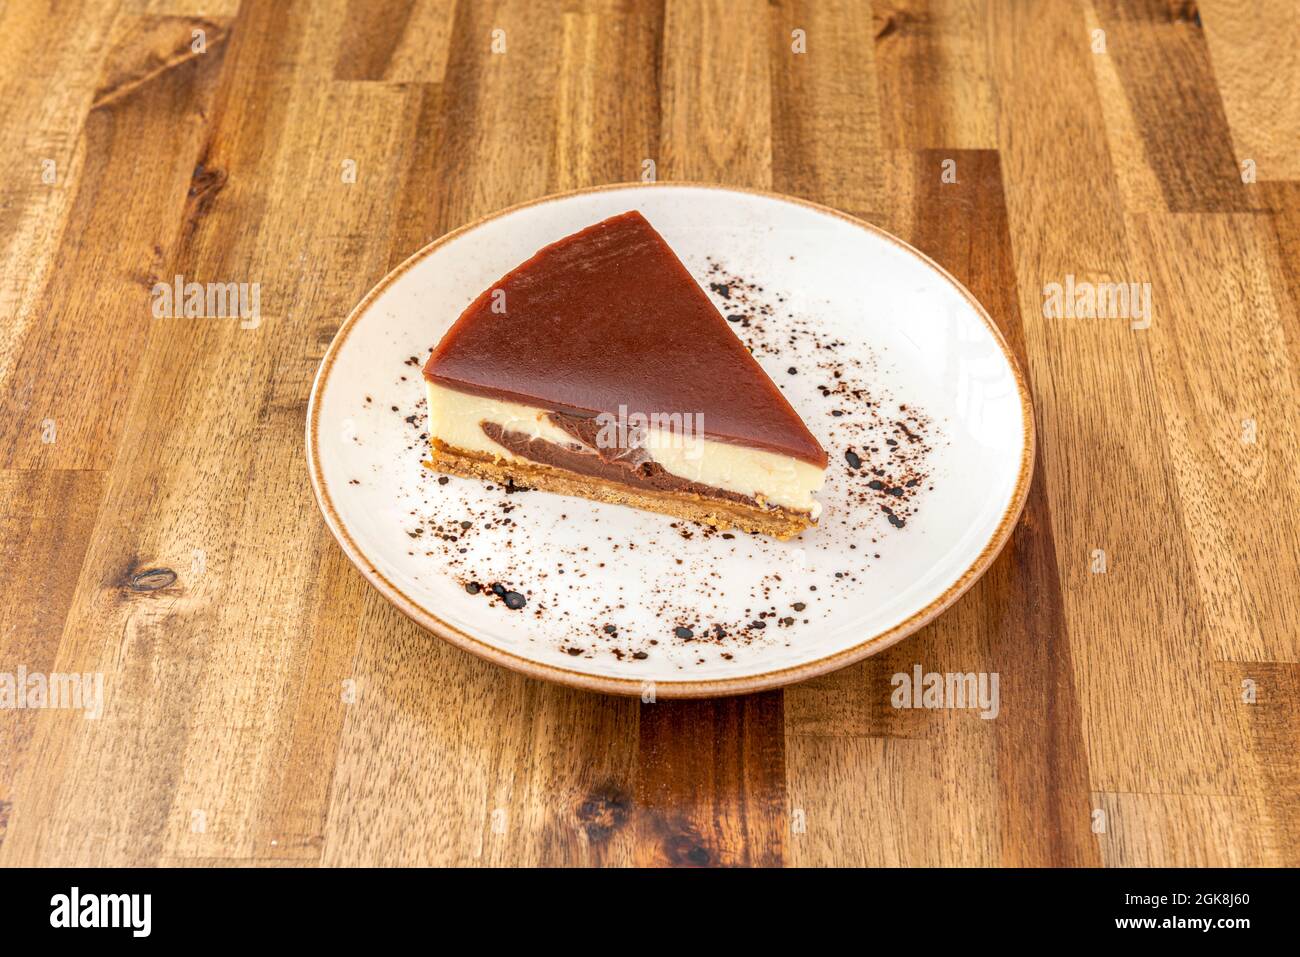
(895, 368)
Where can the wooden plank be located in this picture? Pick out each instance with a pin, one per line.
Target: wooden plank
(153, 87)
(1283, 202)
(290, 807)
(183, 8)
(449, 760)
(888, 802)
(1228, 396)
(1255, 48)
(1106, 456)
(1274, 729)
(46, 520)
(1172, 830)
(1162, 61)
(711, 783)
(716, 101)
(854, 702)
(932, 69)
(307, 250)
(465, 157)
(1019, 615)
(41, 152)
(607, 111)
(1138, 183)
(209, 486)
(824, 104)
(398, 41)
(1265, 697)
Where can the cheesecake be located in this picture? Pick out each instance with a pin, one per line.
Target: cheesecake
(599, 368)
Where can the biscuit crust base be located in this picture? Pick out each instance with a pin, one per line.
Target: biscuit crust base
(720, 513)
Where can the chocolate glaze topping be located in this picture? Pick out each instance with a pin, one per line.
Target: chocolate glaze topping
(608, 318)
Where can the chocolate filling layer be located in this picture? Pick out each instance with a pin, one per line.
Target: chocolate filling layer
(586, 429)
(646, 475)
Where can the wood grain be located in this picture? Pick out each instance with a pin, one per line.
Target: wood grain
(711, 783)
(1254, 47)
(1163, 64)
(933, 74)
(264, 706)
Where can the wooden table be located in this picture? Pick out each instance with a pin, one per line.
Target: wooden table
(263, 704)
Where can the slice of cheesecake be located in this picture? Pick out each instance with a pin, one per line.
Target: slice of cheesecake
(599, 368)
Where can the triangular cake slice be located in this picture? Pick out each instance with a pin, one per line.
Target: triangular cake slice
(600, 368)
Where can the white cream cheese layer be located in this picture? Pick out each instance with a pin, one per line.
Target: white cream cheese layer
(456, 418)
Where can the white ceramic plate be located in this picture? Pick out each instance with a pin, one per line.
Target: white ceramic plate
(874, 331)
